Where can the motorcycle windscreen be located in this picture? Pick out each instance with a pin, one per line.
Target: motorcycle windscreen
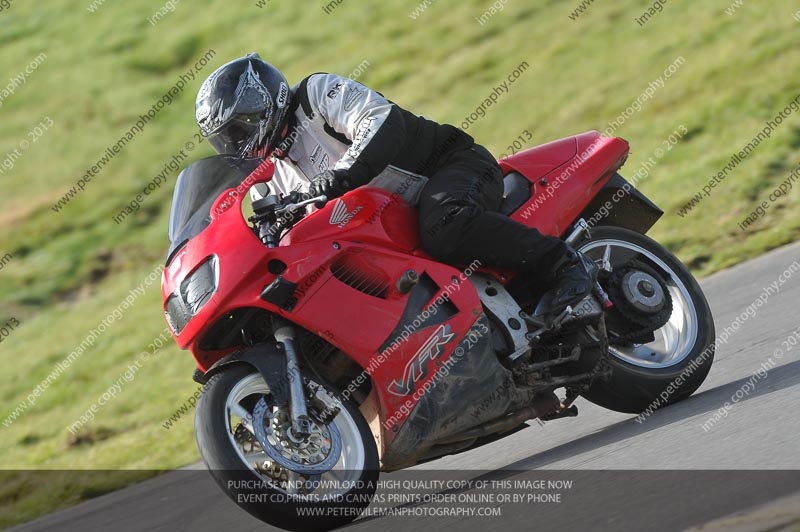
(197, 188)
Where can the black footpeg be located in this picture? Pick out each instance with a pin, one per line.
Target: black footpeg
(587, 309)
(539, 325)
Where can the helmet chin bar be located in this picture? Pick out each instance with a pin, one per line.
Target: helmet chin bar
(256, 145)
(260, 153)
(251, 149)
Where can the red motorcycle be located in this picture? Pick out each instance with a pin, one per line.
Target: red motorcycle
(333, 347)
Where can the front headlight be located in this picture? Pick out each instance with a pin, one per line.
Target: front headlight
(194, 292)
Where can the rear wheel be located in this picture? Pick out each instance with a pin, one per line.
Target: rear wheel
(289, 483)
(672, 362)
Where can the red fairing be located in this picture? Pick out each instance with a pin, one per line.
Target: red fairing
(374, 215)
(539, 161)
(372, 234)
(575, 169)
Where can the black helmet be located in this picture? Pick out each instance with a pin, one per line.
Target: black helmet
(242, 107)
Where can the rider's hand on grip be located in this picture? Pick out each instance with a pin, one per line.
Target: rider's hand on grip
(331, 184)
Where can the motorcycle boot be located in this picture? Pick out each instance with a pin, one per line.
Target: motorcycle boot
(571, 278)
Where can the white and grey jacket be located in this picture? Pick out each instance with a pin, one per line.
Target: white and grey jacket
(337, 123)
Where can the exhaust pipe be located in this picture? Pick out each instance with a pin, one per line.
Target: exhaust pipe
(541, 407)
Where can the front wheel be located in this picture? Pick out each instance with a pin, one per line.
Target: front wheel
(674, 360)
(266, 482)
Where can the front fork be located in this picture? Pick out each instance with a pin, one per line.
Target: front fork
(301, 423)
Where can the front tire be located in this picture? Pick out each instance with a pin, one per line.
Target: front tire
(671, 368)
(240, 469)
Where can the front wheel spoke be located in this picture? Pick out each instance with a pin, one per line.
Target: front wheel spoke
(244, 416)
(255, 457)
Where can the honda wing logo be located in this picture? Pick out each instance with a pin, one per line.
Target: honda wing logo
(417, 367)
(339, 215)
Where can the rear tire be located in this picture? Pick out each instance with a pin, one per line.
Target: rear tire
(638, 384)
(274, 506)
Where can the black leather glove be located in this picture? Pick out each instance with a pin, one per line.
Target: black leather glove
(331, 183)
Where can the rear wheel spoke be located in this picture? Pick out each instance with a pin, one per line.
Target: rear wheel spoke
(607, 259)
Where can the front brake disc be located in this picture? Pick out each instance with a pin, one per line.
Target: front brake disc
(314, 454)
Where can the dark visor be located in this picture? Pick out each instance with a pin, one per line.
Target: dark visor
(229, 139)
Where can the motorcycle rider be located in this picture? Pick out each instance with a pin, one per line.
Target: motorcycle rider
(330, 134)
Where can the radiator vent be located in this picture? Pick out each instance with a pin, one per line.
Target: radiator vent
(356, 274)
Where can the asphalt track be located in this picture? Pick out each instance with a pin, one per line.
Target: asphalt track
(666, 472)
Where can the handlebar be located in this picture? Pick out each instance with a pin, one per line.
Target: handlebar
(271, 219)
(292, 207)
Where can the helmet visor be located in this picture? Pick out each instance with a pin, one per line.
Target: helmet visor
(231, 138)
(241, 136)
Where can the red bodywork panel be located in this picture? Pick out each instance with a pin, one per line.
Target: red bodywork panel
(575, 168)
(371, 231)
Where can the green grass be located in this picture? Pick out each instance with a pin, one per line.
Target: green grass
(104, 69)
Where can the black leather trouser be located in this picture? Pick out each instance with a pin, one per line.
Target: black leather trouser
(459, 222)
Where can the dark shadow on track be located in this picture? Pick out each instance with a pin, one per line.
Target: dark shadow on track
(708, 401)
